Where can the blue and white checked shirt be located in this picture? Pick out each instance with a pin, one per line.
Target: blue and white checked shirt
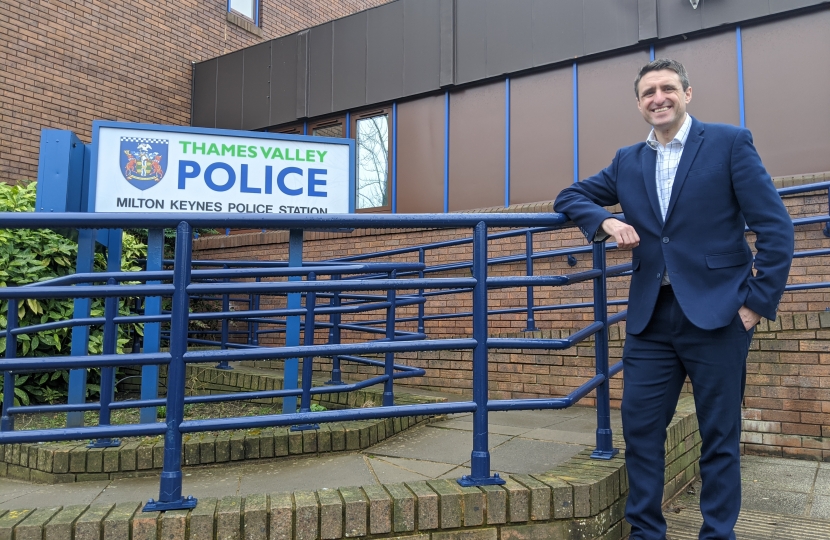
(668, 157)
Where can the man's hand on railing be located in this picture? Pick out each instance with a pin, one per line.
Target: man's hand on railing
(622, 233)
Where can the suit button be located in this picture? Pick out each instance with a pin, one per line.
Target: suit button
(659, 275)
(665, 239)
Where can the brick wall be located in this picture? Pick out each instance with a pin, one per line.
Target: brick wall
(65, 64)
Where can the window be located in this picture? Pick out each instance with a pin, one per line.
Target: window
(371, 131)
(246, 8)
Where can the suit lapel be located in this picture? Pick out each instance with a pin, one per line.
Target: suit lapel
(648, 159)
(693, 142)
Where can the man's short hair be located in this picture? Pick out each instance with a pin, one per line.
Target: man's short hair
(661, 64)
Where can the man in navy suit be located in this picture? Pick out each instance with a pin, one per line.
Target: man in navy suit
(687, 192)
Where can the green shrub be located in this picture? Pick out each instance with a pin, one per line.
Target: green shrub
(32, 255)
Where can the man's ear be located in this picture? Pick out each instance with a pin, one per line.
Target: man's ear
(688, 94)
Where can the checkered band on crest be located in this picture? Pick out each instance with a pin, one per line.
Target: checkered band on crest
(143, 140)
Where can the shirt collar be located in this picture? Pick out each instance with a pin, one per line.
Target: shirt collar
(681, 136)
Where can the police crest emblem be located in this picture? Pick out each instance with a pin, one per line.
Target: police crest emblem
(143, 161)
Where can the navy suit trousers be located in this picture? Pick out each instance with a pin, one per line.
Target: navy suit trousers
(656, 362)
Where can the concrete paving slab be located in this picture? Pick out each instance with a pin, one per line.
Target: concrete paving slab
(778, 460)
(556, 435)
(587, 423)
(821, 507)
(135, 489)
(427, 442)
(467, 425)
(537, 419)
(525, 456)
(823, 481)
(387, 473)
(781, 475)
(41, 495)
(762, 498)
(425, 468)
(306, 473)
(460, 471)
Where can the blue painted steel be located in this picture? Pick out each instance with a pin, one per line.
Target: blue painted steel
(308, 371)
(81, 434)
(334, 337)
(107, 373)
(531, 321)
(421, 259)
(575, 77)
(740, 56)
(60, 172)
(394, 157)
(292, 327)
(170, 486)
(254, 339)
(389, 368)
(507, 142)
(480, 456)
(226, 307)
(605, 446)
(651, 53)
(446, 151)
(80, 334)
(152, 331)
(305, 127)
(7, 420)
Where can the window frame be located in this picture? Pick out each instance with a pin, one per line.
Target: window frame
(255, 19)
(355, 117)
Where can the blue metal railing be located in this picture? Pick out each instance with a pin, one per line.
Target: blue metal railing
(350, 285)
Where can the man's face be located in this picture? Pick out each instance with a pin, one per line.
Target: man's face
(662, 100)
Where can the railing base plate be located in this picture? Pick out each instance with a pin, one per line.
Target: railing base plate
(469, 481)
(104, 443)
(305, 427)
(223, 365)
(184, 503)
(604, 454)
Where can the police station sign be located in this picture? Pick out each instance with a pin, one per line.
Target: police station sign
(149, 168)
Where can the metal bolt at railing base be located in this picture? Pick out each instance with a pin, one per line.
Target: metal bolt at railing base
(223, 365)
(305, 427)
(104, 443)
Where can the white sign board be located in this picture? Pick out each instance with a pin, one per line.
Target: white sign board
(148, 168)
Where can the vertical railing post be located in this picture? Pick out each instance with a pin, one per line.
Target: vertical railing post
(531, 320)
(80, 334)
(254, 340)
(422, 304)
(170, 485)
(226, 307)
(389, 364)
(152, 331)
(480, 459)
(605, 446)
(308, 340)
(107, 391)
(334, 337)
(7, 420)
(290, 374)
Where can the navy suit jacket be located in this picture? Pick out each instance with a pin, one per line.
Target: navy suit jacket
(720, 186)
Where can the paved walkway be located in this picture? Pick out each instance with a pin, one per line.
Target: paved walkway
(783, 499)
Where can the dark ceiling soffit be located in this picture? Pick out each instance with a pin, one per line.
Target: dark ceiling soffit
(647, 15)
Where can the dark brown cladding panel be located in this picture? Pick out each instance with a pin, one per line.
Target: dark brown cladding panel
(229, 90)
(256, 85)
(541, 135)
(319, 70)
(204, 94)
(509, 36)
(421, 155)
(384, 50)
(422, 53)
(557, 31)
(792, 136)
(712, 64)
(608, 115)
(477, 147)
(609, 25)
(284, 73)
(349, 61)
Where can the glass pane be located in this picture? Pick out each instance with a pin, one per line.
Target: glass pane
(244, 7)
(334, 130)
(372, 161)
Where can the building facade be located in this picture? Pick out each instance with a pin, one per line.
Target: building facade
(65, 64)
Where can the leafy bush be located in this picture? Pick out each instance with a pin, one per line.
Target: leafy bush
(32, 255)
